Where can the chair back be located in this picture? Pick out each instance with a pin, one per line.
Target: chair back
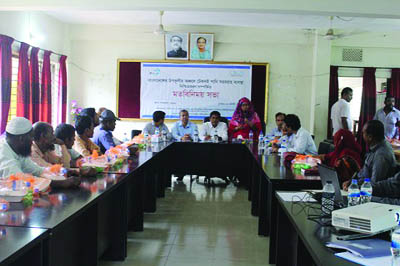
(135, 133)
(221, 119)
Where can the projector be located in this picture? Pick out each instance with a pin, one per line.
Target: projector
(367, 218)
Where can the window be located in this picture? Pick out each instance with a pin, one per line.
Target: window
(356, 83)
(55, 104)
(14, 83)
(55, 107)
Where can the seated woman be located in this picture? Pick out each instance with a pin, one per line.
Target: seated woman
(346, 158)
(244, 120)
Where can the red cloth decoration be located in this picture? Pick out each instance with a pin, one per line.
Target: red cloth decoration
(5, 79)
(34, 84)
(368, 102)
(23, 87)
(45, 90)
(333, 95)
(62, 87)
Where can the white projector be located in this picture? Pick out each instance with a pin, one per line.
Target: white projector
(367, 218)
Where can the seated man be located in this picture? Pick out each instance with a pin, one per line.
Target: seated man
(15, 151)
(380, 162)
(387, 191)
(279, 120)
(157, 123)
(302, 142)
(184, 130)
(83, 145)
(43, 148)
(91, 112)
(66, 133)
(214, 127)
(286, 138)
(103, 136)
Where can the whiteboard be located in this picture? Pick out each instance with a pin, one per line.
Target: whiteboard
(198, 88)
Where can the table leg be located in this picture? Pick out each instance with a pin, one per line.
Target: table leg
(263, 205)
(150, 195)
(285, 249)
(113, 225)
(135, 202)
(303, 256)
(255, 191)
(78, 237)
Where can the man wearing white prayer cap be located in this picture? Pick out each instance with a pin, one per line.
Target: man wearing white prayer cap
(15, 151)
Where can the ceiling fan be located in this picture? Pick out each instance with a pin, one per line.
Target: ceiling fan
(160, 29)
(330, 34)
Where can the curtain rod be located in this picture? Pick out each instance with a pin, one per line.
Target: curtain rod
(364, 67)
(40, 48)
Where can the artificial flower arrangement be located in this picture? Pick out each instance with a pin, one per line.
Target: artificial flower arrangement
(75, 110)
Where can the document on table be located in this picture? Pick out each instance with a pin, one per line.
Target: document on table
(296, 196)
(377, 261)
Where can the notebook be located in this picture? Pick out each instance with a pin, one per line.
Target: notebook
(366, 248)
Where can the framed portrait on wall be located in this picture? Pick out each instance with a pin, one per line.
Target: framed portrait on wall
(202, 46)
(177, 46)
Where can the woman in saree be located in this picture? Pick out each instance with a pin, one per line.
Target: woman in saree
(244, 120)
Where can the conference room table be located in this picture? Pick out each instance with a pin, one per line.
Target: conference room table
(301, 241)
(22, 246)
(91, 222)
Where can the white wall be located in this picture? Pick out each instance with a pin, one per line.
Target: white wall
(379, 49)
(95, 50)
(48, 33)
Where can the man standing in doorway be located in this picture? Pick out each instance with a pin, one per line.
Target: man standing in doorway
(340, 112)
(390, 118)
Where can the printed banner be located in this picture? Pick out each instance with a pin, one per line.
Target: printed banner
(198, 88)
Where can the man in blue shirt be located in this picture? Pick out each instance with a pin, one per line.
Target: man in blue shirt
(103, 136)
(279, 120)
(184, 130)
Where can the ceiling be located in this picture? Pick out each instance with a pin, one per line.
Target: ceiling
(259, 20)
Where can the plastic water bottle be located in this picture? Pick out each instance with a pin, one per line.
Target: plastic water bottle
(353, 195)
(251, 136)
(196, 136)
(125, 138)
(328, 198)
(261, 140)
(164, 135)
(146, 138)
(157, 132)
(366, 191)
(395, 248)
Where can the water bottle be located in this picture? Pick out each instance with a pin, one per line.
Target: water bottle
(157, 132)
(215, 136)
(251, 136)
(353, 196)
(196, 136)
(328, 198)
(261, 140)
(395, 248)
(146, 138)
(125, 138)
(164, 135)
(366, 191)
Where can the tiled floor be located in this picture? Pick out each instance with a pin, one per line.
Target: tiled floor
(204, 226)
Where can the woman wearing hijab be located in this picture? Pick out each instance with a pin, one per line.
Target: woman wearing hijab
(346, 157)
(244, 120)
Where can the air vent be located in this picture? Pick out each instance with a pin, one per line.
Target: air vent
(361, 224)
(352, 54)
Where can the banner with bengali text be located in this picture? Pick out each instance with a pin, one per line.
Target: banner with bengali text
(198, 88)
